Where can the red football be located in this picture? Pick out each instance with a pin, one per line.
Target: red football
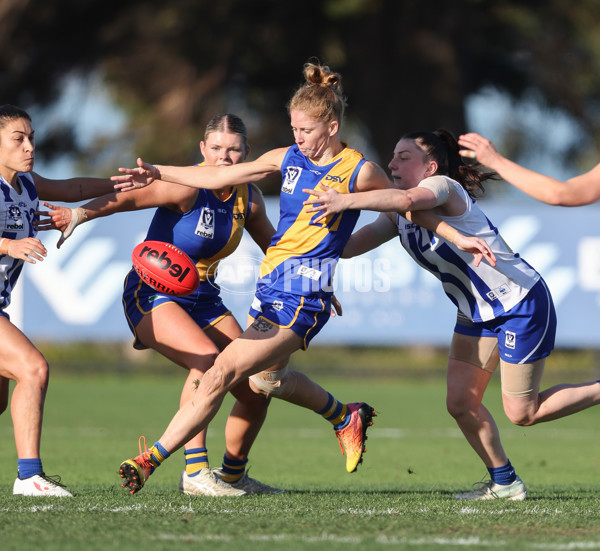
(165, 268)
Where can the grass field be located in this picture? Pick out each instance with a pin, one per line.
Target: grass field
(400, 498)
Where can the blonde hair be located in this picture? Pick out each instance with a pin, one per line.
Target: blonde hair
(321, 95)
(227, 122)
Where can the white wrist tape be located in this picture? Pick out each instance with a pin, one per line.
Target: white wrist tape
(78, 216)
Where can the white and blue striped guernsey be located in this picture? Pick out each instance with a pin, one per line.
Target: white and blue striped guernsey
(480, 293)
(17, 213)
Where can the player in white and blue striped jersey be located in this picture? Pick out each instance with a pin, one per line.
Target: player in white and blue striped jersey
(20, 360)
(505, 311)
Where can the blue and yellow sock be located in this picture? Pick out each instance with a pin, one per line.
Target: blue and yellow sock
(29, 467)
(196, 459)
(233, 469)
(336, 413)
(504, 475)
(157, 455)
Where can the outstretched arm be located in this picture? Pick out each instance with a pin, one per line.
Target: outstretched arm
(206, 177)
(415, 204)
(581, 190)
(370, 236)
(173, 196)
(71, 190)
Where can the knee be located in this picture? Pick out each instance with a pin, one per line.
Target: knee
(523, 417)
(34, 371)
(457, 406)
(218, 379)
(200, 364)
(279, 383)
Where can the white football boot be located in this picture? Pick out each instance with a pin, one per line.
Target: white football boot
(205, 483)
(40, 485)
(250, 485)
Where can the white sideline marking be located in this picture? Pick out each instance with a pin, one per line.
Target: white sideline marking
(382, 540)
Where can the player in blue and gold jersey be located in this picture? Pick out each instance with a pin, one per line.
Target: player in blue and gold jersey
(294, 291)
(20, 360)
(191, 330)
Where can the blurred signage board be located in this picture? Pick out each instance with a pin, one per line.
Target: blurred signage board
(75, 293)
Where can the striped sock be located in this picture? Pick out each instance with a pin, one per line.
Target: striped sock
(336, 413)
(504, 475)
(29, 467)
(196, 459)
(232, 469)
(157, 455)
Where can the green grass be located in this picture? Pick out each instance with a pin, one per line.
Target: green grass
(401, 497)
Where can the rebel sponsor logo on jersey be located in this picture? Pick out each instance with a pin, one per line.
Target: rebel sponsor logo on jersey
(14, 218)
(206, 223)
(292, 174)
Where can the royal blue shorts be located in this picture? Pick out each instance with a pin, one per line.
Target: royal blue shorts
(305, 316)
(525, 333)
(204, 305)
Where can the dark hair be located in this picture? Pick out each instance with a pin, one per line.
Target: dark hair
(10, 113)
(227, 122)
(321, 95)
(442, 147)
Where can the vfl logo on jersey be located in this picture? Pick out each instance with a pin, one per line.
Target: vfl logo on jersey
(495, 294)
(510, 340)
(292, 175)
(206, 223)
(14, 219)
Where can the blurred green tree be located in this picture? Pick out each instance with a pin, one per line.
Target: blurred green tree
(406, 64)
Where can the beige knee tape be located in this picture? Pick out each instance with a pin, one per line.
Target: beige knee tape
(274, 383)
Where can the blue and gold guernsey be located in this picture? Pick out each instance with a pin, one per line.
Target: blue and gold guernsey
(17, 213)
(302, 257)
(210, 231)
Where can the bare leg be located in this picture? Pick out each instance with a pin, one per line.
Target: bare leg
(172, 332)
(250, 410)
(4, 387)
(252, 352)
(466, 386)
(22, 362)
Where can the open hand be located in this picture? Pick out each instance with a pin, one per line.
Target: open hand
(29, 249)
(325, 200)
(478, 147)
(134, 178)
(477, 246)
(62, 219)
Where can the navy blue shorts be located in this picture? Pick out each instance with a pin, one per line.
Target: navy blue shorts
(305, 316)
(204, 305)
(525, 333)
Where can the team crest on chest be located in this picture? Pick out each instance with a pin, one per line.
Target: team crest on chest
(292, 175)
(14, 218)
(206, 223)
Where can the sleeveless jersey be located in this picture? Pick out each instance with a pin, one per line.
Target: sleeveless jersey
(210, 231)
(302, 256)
(16, 222)
(481, 293)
